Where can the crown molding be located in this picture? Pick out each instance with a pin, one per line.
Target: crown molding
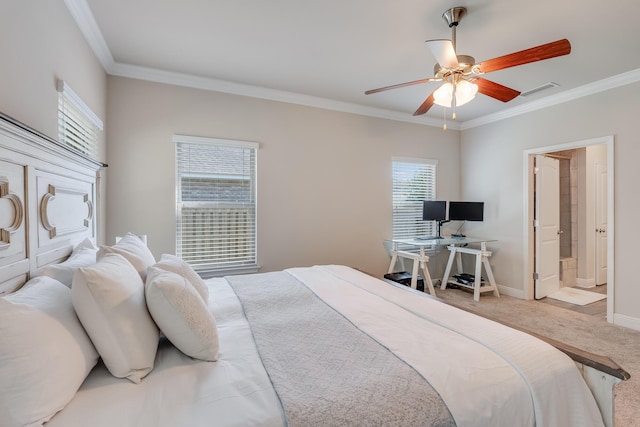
(83, 16)
(195, 82)
(609, 83)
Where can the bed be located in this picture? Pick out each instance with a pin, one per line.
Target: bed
(109, 335)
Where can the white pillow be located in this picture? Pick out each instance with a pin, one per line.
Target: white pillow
(45, 354)
(181, 314)
(63, 272)
(109, 300)
(177, 265)
(134, 251)
(87, 243)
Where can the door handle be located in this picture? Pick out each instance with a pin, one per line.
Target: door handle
(560, 232)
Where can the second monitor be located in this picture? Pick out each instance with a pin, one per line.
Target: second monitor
(466, 211)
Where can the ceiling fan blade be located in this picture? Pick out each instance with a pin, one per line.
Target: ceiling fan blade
(428, 103)
(444, 53)
(415, 82)
(538, 53)
(495, 90)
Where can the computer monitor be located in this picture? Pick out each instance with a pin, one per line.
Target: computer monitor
(434, 210)
(466, 211)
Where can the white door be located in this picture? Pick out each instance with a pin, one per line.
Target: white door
(547, 226)
(601, 224)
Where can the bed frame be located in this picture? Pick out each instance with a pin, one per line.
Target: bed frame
(600, 373)
(48, 203)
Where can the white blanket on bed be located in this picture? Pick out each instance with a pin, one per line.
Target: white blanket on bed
(539, 385)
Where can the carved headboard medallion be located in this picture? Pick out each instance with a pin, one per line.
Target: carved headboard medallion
(11, 213)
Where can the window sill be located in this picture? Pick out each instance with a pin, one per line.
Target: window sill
(209, 273)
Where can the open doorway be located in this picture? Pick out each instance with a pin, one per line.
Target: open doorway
(575, 247)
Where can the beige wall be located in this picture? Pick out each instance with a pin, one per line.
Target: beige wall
(491, 169)
(39, 44)
(324, 177)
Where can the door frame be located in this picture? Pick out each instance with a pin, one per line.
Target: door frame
(528, 231)
(600, 187)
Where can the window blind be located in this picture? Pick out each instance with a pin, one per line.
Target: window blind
(216, 203)
(414, 180)
(78, 126)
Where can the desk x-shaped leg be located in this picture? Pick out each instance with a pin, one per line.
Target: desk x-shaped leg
(419, 262)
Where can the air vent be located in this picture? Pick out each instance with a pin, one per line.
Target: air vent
(539, 88)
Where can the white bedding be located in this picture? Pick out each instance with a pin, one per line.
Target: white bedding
(470, 361)
(181, 391)
(538, 385)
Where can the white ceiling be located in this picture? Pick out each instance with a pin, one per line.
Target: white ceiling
(327, 53)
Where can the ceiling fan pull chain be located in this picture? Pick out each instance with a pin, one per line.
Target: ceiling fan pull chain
(454, 102)
(444, 117)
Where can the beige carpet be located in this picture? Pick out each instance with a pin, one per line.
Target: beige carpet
(590, 333)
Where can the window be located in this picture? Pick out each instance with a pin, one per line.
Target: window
(78, 126)
(216, 204)
(414, 180)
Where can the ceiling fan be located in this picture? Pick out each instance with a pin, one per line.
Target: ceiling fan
(462, 76)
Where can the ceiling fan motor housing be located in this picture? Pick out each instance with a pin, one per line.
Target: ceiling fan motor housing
(453, 16)
(465, 67)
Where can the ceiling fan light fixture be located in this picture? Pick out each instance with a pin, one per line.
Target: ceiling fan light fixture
(443, 96)
(465, 92)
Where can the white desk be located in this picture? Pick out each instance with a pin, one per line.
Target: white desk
(456, 246)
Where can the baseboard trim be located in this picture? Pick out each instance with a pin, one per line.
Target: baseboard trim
(626, 321)
(585, 283)
(511, 292)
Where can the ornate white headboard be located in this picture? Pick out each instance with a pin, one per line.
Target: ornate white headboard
(47, 201)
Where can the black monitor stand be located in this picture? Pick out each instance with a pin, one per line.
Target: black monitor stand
(438, 236)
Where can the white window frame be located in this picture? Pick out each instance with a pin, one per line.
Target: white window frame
(78, 125)
(409, 190)
(217, 262)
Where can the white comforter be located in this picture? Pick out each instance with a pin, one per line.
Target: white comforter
(486, 373)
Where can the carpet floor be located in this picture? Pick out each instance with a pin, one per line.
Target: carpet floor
(588, 332)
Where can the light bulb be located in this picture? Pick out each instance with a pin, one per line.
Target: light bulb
(465, 92)
(444, 95)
